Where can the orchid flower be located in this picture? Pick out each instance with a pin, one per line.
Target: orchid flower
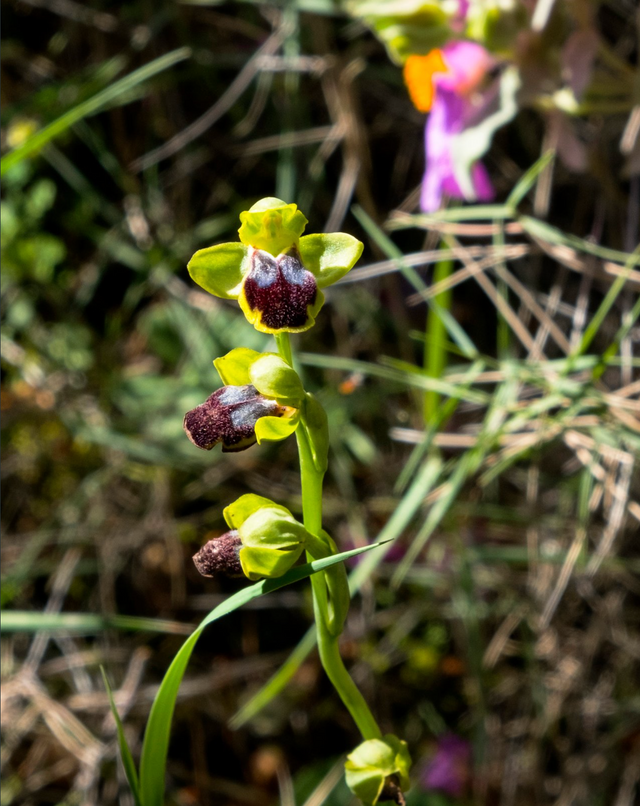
(445, 83)
(275, 272)
(261, 400)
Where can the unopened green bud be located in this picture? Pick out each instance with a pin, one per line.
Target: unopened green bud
(378, 770)
(272, 539)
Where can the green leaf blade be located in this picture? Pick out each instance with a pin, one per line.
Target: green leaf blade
(90, 107)
(156, 739)
(125, 752)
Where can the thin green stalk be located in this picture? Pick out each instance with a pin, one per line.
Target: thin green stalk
(435, 344)
(328, 646)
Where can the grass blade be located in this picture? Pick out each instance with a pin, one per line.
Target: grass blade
(599, 316)
(91, 106)
(466, 466)
(401, 373)
(393, 252)
(125, 752)
(528, 179)
(87, 623)
(435, 351)
(545, 232)
(476, 212)
(425, 480)
(400, 519)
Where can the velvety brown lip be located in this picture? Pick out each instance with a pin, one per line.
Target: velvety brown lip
(220, 556)
(229, 416)
(281, 289)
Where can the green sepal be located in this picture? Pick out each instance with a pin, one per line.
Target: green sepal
(314, 420)
(237, 513)
(372, 762)
(329, 256)
(274, 429)
(273, 377)
(273, 528)
(234, 367)
(366, 783)
(219, 269)
(259, 562)
(272, 225)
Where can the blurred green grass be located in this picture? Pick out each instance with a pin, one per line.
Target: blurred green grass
(508, 612)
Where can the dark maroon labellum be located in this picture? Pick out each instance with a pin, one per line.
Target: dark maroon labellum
(281, 289)
(220, 556)
(229, 416)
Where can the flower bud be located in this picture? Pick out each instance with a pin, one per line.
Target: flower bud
(220, 556)
(272, 539)
(378, 770)
(229, 416)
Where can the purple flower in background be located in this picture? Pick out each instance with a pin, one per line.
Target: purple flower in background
(445, 83)
(444, 123)
(449, 769)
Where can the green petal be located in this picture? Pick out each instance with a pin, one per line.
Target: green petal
(329, 256)
(234, 367)
(273, 377)
(268, 203)
(272, 527)
(274, 429)
(238, 512)
(219, 269)
(271, 225)
(258, 562)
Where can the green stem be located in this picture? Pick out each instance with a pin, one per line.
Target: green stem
(283, 343)
(435, 344)
(328, 646)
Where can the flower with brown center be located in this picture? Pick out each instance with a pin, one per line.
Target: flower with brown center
(275, 272)
(229, 416)
(261, 399)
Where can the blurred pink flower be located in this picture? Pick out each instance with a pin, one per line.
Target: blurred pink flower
(449, 769)
(446, 83)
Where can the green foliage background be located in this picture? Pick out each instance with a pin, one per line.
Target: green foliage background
(507, 610)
